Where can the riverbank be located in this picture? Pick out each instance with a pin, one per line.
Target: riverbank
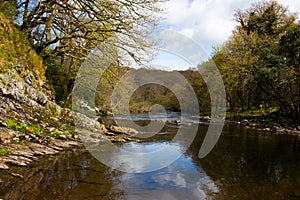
(271, 122)
(33, 125)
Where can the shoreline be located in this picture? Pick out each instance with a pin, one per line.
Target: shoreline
(24, 154)
(268, 125)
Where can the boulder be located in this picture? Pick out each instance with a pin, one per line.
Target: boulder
(123, 130)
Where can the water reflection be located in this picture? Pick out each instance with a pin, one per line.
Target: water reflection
(244, 164)
(249, 164)
(81, 176)
(181, 180)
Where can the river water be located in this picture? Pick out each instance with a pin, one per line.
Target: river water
(244, 164)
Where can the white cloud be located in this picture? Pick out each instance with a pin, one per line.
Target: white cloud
(209, 22)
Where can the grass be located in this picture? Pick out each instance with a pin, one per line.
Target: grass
(251, 114)
(4, 152)
(35, 128)
(24, 128)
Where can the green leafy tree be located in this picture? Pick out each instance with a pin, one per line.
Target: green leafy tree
(73, 28)
(260, 62)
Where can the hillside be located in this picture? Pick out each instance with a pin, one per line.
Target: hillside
(31, 123)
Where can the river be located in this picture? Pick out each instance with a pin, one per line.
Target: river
(244, 164)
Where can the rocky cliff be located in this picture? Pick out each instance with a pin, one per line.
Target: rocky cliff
(31, 123)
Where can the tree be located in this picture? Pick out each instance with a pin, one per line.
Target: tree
(67, 31)
(290, 50)
(257, 62)
(73, 28)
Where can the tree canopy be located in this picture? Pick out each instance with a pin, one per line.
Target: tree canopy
(260, 62)
(73, 28)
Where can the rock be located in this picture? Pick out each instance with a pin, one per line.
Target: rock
(108, 113)
(64, 144)
(245, 122)
(254, 125)
(29, 79)
(51, 129)
(16, 175)
(21, 159)
(32, 93)
(62, 136)
(205, 118)
(12, 161)
(67, 113)
(3, 166)
(105, 131)
(27, 138)
(3, 124)
(97, 110)
(123, 130)
(16, 139)
(42, 99)
(40, 149)
(280, 130)
(109, 133)
(178, 122)
(95, 136)
(53, 107)
(296, 132)
(25, 153)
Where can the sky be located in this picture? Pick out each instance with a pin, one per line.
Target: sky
(206, 23)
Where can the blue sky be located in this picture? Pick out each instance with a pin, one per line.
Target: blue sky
(207, 23)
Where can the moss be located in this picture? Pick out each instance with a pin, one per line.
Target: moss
(11, 124)
(251, 114)
(56, 133)
(4, 152)
(16, 50)
(24, 128)
(34, 128)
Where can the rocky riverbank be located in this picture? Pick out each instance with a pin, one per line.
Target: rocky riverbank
(32, 124)
(267, 126)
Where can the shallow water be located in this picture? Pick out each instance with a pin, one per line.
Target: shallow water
(245, 164)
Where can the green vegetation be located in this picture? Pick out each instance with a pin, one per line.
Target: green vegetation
(260, 62)
(4, 152)
(252, 113)
(57, 78)
(24, 128)
(64, 34)
(16, 50)
(34, 128)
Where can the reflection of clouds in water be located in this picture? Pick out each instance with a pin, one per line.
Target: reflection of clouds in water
(135, 158)
(177, 180)
(196, 182)
(181, 180)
